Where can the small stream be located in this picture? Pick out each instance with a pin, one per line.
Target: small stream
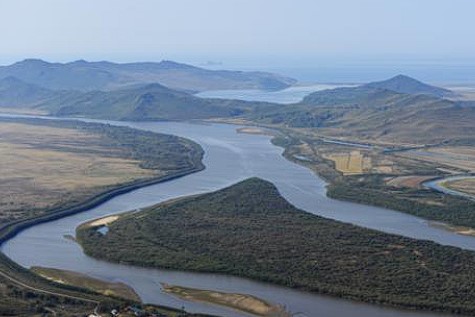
(437, 184)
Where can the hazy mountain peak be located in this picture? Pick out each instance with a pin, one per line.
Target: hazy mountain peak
(31, 62)
(167, 64)
(408, 85)
(403, 77)
(80, 62)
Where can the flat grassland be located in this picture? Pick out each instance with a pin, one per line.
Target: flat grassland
(457, 157)
(43, 166)
(409, 181)
(48, 164)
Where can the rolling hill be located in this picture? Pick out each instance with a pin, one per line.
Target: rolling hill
(371, 113)
(88, 76)
(408, 85)
(399, 110)
(14, 93)
(149, 102)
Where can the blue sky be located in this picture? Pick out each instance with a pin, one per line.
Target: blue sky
(274, 32)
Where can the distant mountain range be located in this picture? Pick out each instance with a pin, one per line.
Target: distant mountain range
(400, 109)
(87, 76)
(140, 102)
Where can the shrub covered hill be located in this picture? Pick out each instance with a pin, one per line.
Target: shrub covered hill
(249, 230)
(399, 110)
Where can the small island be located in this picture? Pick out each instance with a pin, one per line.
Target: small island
(249, 230)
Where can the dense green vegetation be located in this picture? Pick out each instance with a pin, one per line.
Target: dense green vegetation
(249, 230)
(17, 301)
(371, 190)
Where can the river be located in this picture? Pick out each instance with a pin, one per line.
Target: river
(229, 157)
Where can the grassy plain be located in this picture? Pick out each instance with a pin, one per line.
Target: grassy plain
(47, 164)
(43, 166)
(458, 158)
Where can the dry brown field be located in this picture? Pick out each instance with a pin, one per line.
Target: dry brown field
(463, 185)
(458, 157)
(44, 166)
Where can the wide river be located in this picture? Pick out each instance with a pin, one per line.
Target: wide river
(229, 157)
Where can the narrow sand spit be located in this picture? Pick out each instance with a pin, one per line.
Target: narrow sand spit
(103, 221)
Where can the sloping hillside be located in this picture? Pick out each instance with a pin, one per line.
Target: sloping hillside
(14, 93)
(408, 85)
(372, 113)
(150, 102)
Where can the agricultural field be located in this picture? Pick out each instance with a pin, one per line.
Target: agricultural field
(350, 163)
(347, 160)
(393, 181)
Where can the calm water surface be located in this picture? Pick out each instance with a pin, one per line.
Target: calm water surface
(285, 96)
(229, 157)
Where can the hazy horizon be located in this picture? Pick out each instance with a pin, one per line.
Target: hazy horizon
(370, 39)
